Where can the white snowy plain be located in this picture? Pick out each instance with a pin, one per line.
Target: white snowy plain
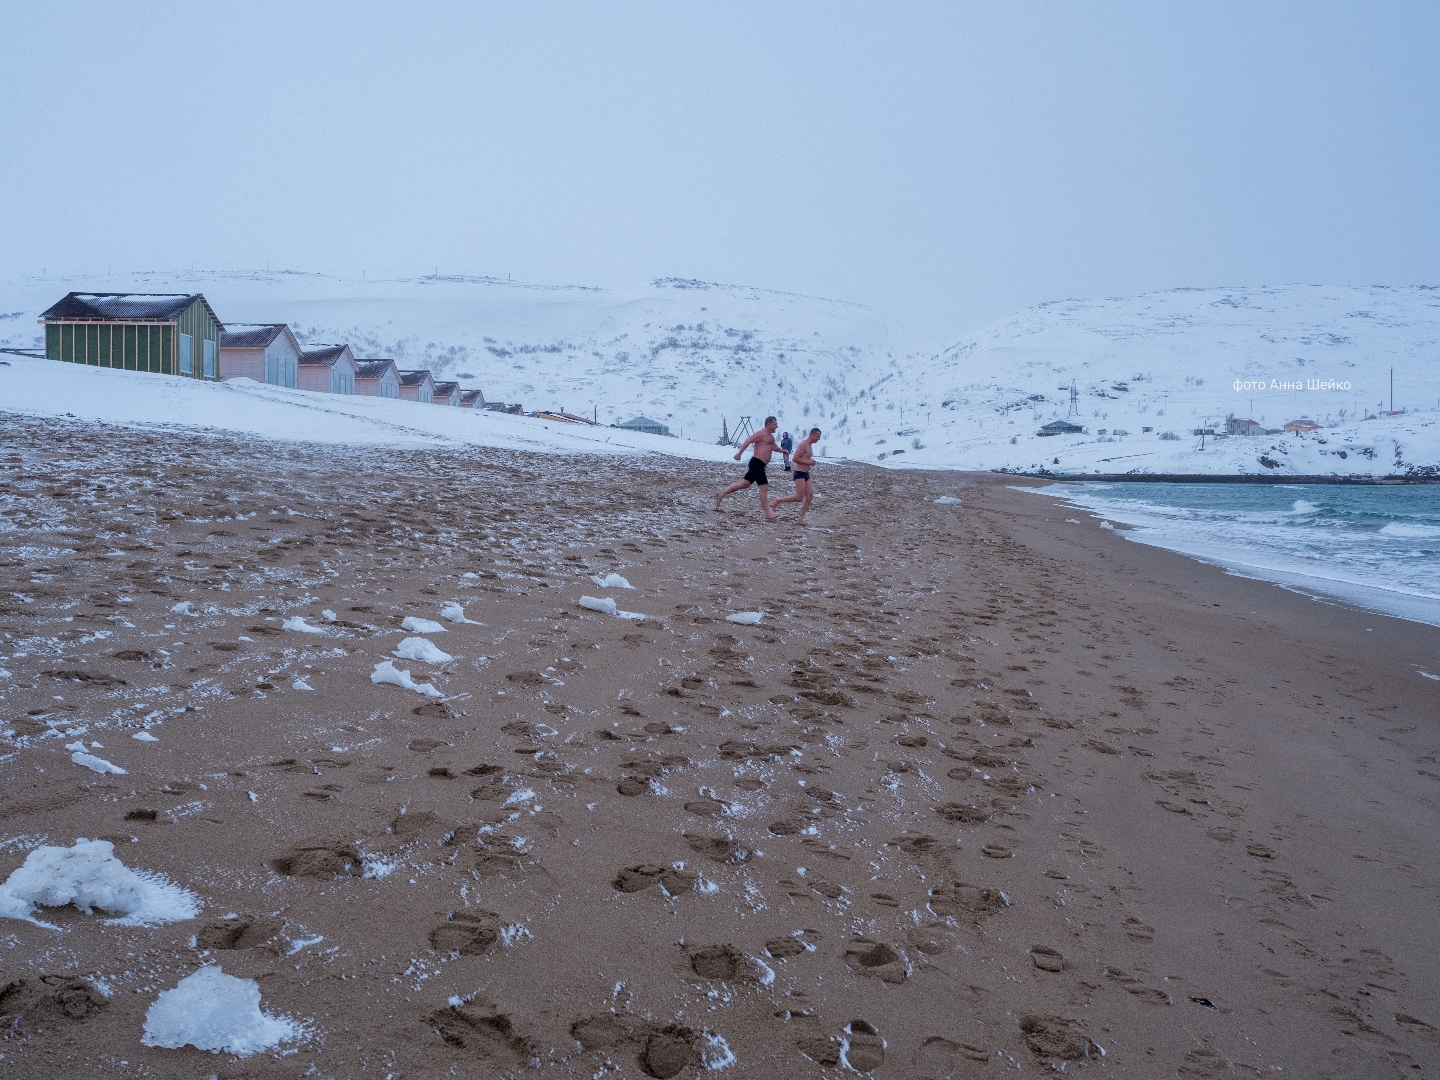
(689, 354)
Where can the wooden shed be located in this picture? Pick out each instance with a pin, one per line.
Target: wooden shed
(167, 333)
(417, 386)
(328, 369)
(446, 393)
(472, 399)
(378, 378)
(265, 352)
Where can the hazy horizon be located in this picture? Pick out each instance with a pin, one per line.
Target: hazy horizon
(947, 165)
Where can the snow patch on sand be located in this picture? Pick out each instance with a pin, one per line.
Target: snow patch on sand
(89, 876)
(387, 672)
(419, 648)
(214, 1011)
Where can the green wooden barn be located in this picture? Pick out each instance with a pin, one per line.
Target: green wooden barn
(167, 333)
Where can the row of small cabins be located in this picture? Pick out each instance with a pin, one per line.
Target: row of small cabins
(179, 334)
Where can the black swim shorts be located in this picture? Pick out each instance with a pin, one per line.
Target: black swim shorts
(801, 475)
(755, 472)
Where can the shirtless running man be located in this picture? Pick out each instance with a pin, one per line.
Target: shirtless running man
(763, 443)
(804, 459)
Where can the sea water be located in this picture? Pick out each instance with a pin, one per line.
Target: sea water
(1374, 546)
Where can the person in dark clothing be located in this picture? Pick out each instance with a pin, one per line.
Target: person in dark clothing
(786, 445)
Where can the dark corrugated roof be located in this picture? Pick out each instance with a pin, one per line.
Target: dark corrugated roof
(119, 306)
(373, 369)
(472, 395)
(447, 387)
(321, 354)
(415, 378)
(253, 336)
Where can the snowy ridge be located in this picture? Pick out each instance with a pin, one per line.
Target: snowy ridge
(691, 354)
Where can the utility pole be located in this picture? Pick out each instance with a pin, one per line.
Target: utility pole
(1074, 401)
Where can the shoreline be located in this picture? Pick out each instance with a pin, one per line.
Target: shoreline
(980, 784)
(1219, 478)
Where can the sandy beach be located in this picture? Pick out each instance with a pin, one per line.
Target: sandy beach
(984, 791)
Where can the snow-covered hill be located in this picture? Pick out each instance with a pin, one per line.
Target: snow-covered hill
(691, 354)
(1173, 362)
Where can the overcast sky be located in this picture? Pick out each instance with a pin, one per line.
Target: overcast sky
(948, 163)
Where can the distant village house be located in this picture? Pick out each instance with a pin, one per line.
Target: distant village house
(1302, 426)
(446, 393)
(377, 378)
(472, 399)
(418, 386)
(1235, 426)
(265, 352)
(328, 369)
(645, 424)
(165, 333)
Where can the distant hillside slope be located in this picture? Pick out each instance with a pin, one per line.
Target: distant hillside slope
(685, 353)
(689, 353)
(1171, 361)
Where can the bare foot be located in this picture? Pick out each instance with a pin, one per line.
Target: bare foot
(772, 517)
(799, 522)
(717, 504)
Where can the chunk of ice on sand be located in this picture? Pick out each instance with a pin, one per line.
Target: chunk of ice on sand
(606, 606)
(295, 622)
(421, 626)
(210, 1010)
(144, 736)
(89, 876)
(386, 672)
(96, 764)
(611, 581)
(419, 648)
(947, 500)
(744, 618)
(454, 612)
(182, 608)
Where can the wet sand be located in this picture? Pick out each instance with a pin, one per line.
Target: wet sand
(984, 791)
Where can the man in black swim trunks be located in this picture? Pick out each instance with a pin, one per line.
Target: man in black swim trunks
(804, 462)
(763, 444)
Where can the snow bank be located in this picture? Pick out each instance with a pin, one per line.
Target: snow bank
(214, 1011)
(298, 623)
(422, 649)
(454, 612)
(144, 736)
(386, 672)
(89, 876)
(745, 618)
(606, 606)
(421, 626)
(611, 581)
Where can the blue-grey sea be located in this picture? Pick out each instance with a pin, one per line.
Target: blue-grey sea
(1375, 547)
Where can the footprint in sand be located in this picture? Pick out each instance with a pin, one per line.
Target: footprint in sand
(1046, 958)
(864, 1049)
(488, 1034)
(1054, 1038)
(940, 1058)
(673, 881)
(242, 932)
(468, 933)
(794, 945)
(663, 1051)
(48, 1002)
(866, 957)
(724, 963)
(319, 859)
(960, 898)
